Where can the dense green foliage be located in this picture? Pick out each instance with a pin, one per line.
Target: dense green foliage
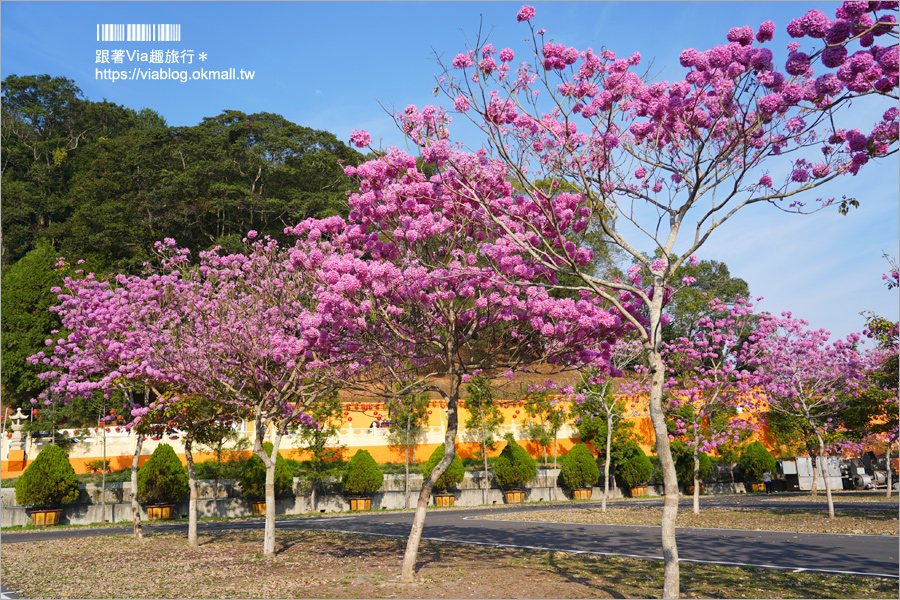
(104, 182)
(484, 418)
(546, 417)
(252, 477)
(452, 476)
(406, 425)
(684, 463)
(634, 468)
(162, 479)
(48, 480)
(27, 321)
(691, 304)
(514, 467)
(362, 477)
(754, 461)
(579, 469)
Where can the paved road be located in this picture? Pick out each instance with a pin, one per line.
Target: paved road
(856, 554)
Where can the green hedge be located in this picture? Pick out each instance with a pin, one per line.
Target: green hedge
(253, 476)
(754, 461)
(579, 469)
(514, 467)
(362, 477)
(683, 456)
(452, 476)
(49, 480)
(635, 467)
(162, 479)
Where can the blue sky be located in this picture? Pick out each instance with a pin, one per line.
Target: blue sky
(333, 66)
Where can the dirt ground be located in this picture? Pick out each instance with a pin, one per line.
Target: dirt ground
(331, 565)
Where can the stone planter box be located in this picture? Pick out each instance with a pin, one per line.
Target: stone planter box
(44, 517)
(444, 499)
(160, 512)
(515, 496)
(582, 494)
(637, 491)
(360, 503)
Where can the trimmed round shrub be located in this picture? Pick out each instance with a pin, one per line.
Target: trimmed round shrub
(635, 467)
(514, 467)
(253, 476)
(579, 470)
(162, 479)
(362, 477)
(452, 476)
(684, 463)
(754, 461)
(49, 480)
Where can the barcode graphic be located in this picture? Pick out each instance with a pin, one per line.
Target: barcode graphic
(138, 32)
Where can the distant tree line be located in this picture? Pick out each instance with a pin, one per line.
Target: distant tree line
(101, 182)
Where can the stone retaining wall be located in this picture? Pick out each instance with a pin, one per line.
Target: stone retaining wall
(230, 503)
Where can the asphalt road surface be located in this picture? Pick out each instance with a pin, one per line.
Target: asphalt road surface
(869, 555)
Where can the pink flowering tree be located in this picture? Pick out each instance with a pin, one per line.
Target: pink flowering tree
(97, 354)
(440, 300)
(244, 330)
(802, 375)
(655, 159)
(597, 398)
(240, 331)
(871, 416)
(708, 392)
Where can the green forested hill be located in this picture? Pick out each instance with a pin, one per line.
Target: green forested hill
(102, 182)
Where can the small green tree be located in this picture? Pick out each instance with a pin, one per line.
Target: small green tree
(49, 480)
(579, 469)
(634, 467)
(684, 463)
(452, 476)
(755, 461)
(514, 467)
(322, 442)
(546, 417)
(231, 441)
(406, 428)
(162, 479)
(363, 477)
(483, 424)
(253, 476)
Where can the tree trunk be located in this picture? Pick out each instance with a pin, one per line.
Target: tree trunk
(135, 505)
(484, 482)
(609, 426)
(671, 582)
(406, 462)
(554, 451)
(103, 485)
(192, 483)
(890, 471)
(696, 481)
(696, 474)
(406, 472)
(815, 471)
(216, 479)
(824, 468)
(408, 568)
(269, 462)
